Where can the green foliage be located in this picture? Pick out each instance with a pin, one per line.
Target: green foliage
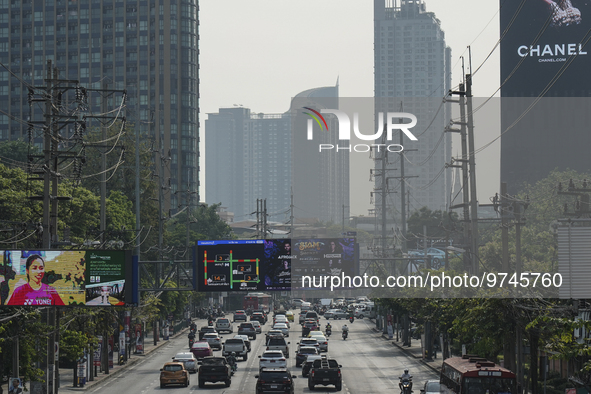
(16, 153)
(205, 223)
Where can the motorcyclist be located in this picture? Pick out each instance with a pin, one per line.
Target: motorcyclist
(403, 377)
(231, 359)
(328, 327)
(345, 331)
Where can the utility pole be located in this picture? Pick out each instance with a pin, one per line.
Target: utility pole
(472, 163)
(291, 217)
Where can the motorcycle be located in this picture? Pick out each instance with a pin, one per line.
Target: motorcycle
(406, 386)
(345, 335)
(121, 359)
(191, 342)
(351, 319)
(328, 332)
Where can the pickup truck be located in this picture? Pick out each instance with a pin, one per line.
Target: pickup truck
(214, 369)
(325, 371)
(237, 346)
(247, 329)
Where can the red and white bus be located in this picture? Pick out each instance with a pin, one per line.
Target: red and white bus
(256, 301)
(471, 374)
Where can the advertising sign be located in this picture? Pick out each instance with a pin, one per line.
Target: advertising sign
(319, 257)
(139, 339)
(97, 352)
(273, 264)
(545, 43)
(122, 343)
(63, 277)
(111, 344)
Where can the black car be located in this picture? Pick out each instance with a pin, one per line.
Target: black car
(275, 380)
(259, 317)
(205, 329)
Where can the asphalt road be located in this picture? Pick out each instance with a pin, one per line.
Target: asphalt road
(370, 365)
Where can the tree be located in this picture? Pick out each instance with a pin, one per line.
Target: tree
(438, 224)
(16, 153)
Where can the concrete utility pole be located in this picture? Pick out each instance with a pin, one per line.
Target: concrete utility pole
(472, 163)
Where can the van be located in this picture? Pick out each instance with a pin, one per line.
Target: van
(369, 311)
(306, 306)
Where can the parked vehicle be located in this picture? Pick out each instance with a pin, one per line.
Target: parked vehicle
(325, 371)
(174, 373)
(214, 369)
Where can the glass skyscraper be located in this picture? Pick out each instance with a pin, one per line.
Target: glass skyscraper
(148, 47)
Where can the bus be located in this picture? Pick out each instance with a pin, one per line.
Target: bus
(471, 374)
(257, 301)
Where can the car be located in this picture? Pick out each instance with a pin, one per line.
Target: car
(223, 325)
(335, 314)
(309, 326)
(322, 341)
(281, 319)
(432, 387)
(274, 380)
(257, 326)
(312, 315)
(214, 340)
(205, 329)
(302, 354)
(272, 332)
(290, 316)
(309, 342)
(245, 339)
(258, 316)
(247, 328)
(201, 349)
(272, 359)
(283, 327)
(239, 315)
(297, 302)
(188, 359)
(302, 317)
(316, 333)
(174, 373)
(437, 256)
(263, 312)
(235, 345)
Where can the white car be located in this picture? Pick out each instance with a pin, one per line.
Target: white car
(309, 342)
(283, 327)
(223, 324)
(272, 359)
(281, 319)
(257, 326)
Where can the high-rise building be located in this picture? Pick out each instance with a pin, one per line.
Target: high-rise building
(250, 156)
(148, 47)
(412, 73)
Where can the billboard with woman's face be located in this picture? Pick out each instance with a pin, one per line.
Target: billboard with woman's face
(62, 277)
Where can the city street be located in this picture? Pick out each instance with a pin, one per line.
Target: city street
(370, 364)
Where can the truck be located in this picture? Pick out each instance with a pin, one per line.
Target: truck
(214, 369)
(325, 371)
(327, 302)
(237, 346)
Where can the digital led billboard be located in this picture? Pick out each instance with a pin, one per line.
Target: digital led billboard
(63, 277)
(274, 264)
(543, 43)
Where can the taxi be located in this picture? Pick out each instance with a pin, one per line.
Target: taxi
(289, 316)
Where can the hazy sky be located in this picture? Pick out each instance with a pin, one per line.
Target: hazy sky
(260, 53)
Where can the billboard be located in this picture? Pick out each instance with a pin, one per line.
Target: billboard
(273, 264)
(64, 277)
(545, 42)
